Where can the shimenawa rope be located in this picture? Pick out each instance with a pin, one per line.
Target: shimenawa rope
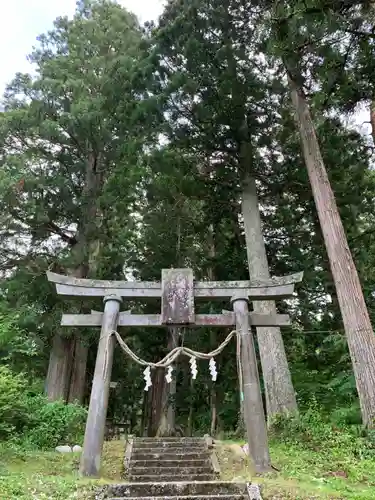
(177, 351)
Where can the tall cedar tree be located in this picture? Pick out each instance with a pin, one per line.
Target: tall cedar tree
(63, 150)
(218, 108)
(288, 23)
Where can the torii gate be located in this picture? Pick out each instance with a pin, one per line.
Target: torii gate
(177, 291)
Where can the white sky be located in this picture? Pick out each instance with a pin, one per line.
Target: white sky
(21, 21)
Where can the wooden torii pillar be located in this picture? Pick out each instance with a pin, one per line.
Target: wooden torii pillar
(178, 292)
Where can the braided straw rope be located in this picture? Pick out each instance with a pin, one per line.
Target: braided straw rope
(178, 351)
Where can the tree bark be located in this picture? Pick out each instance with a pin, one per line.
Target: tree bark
(172, 387)
(357, 324)
(78, 374)
(158, 382)
(58, 376)
(167, 421)
(144, 416)
(279, 391)
(78, 357)
(190, 423)
(372, 120)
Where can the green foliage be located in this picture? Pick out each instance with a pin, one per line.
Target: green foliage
(315, 431)
(17, 346)
(29, 418)
(12, 408)
(52, 423)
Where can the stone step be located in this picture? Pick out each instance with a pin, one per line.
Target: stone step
(198, 462)
(169, 471)
(186, 497)
(170, 449)
(173, 489)
(164, 478)
(168, 446)
(152, 455)
(187, 440)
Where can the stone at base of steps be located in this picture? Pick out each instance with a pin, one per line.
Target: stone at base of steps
(207, 490)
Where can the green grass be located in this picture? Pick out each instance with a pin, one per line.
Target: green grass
(329, 472)
(26, 475)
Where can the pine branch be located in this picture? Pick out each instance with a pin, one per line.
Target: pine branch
(53, 228)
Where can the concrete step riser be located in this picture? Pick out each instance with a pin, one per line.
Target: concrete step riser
(173, 489)
(170, 463)
(165, 478)
(169, 471)
(170, 456)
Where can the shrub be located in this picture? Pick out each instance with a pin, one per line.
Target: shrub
(316, 431)
(27, 417)
(12, 409)
(350, 415)
(53, 423)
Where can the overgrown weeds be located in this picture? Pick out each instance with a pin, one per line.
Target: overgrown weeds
(29, 420)
(314, 459)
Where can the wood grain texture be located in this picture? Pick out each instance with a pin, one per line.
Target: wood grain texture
(177, 297)
(155, 320)
(276, 287)
(96, 418)
(223, 292)
(255, 421)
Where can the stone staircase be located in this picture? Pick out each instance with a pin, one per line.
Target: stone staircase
(173, 469)
(170, 459)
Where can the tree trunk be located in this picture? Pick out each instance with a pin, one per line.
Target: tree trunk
(213, 336)
(78, 373)
(213, 404)
(357, 324)
(372, 120)
(190, 423)
(58, 376)
(167, 421)
(79, 354)
(279, 391)
(144, 416)
(158, 382)
(172, 387)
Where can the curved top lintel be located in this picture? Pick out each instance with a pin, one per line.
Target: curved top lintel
(200, 285)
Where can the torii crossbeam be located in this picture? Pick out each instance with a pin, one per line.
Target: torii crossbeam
(177, 291)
